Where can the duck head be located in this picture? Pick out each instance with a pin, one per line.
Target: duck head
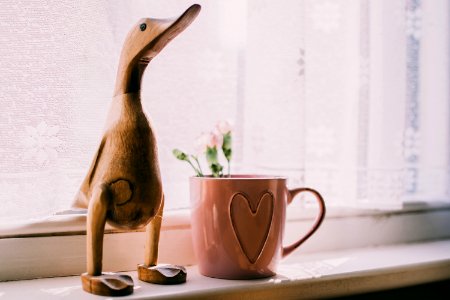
(144, 41)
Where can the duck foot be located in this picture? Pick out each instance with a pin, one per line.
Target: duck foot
(162, 274)
(107, 284)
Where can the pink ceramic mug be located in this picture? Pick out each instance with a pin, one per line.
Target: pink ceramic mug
(238, 224)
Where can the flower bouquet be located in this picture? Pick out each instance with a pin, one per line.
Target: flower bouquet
(211, 144)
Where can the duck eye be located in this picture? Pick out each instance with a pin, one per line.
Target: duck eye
(143, 26)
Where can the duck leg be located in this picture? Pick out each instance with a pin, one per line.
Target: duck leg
(151, 271)
(94, 281)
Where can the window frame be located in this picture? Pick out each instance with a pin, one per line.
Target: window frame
(56, 246)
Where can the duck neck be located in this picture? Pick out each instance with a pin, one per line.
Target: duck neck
(124, 107)
(129, 77)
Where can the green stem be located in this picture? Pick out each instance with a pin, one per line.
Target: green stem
(199, 173)
(198, 164)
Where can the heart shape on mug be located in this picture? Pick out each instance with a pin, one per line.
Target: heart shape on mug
(251, 222)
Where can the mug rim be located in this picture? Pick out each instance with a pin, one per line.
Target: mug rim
(240, 177)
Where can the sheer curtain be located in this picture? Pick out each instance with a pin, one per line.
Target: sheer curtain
(350, 97)
(58, 62)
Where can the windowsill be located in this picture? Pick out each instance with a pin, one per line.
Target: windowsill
(325, 274)
(73, 222)
(56, 246)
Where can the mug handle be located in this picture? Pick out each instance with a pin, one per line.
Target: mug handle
(287, 250)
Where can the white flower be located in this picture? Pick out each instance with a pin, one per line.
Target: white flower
(224, 127)
(201, 143)
(326, 16)
(41, 143)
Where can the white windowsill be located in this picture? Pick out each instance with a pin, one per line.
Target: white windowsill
(73, 222)
(56, 246)
(300, 276)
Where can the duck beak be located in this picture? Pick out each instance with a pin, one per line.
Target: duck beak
(166, 30)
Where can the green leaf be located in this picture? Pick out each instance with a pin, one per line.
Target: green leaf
(227, 140)
(213, 162)
(216, 170)
(211, 155)
(226, 146)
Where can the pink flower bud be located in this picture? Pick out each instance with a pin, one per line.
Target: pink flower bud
(210, 139)
(215, 140)
(224, 127)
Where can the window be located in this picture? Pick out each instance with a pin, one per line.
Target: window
(349, 97)
(58, 66)
(358, 97)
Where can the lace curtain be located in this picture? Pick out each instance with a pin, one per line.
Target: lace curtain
(352, 97)
(349, 97)
(58, 62)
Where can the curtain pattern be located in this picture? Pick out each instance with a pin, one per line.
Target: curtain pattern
(349, 97)
(364, 116)
(58, 62)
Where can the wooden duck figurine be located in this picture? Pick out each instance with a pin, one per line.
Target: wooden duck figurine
(123, 186)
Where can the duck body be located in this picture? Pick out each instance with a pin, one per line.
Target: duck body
(126, 162)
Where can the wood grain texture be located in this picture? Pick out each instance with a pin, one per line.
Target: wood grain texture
(162, 274)
(152, 231)
(139, 49)
(107, 284)
(123, 185)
